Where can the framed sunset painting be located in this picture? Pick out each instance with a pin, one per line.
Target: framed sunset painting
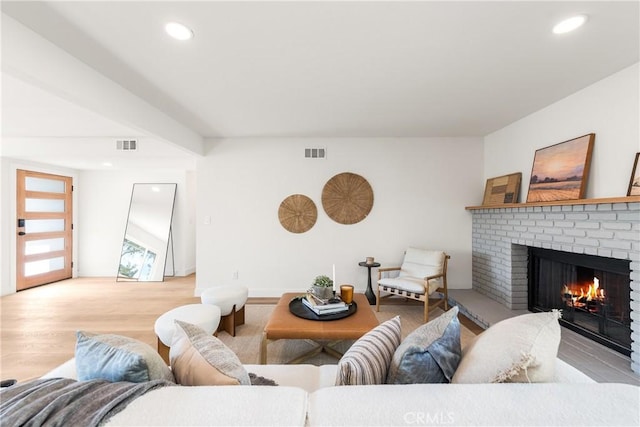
(634, 183)
(560, 171)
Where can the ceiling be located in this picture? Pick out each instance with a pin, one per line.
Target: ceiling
(320, 69)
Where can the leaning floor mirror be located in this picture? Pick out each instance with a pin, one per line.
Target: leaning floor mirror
(147, 244)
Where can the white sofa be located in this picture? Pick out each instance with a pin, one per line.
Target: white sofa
(306, 395)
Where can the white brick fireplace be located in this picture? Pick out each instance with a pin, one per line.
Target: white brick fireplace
(502, 235)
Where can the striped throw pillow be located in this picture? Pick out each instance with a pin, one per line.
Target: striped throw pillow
(368, 359)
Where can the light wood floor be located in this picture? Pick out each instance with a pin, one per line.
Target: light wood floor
(38, 325)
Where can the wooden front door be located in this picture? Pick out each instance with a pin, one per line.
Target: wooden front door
(44, 228)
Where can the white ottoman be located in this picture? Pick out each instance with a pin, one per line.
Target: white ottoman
(231, 300)
(203, 315)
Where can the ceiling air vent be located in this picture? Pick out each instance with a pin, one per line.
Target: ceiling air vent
(127, 144)
(315, 153)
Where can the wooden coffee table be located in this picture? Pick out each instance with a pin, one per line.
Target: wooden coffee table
(284, 325)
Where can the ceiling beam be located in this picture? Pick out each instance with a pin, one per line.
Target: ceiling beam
(37, 61)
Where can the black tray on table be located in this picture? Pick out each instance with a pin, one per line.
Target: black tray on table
(297, 308)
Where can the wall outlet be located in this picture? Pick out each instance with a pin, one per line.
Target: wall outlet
(236, 274)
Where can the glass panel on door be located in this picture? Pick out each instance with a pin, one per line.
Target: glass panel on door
(44, 185)
(33, 247)
(43, 225)
(43, 205)
(43, 266)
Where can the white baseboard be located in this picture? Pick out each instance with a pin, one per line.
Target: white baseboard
(256, 293)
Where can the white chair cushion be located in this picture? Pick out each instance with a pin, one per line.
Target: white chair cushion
(203, 315)
(421, 263)
(410, 284)
(226, 297)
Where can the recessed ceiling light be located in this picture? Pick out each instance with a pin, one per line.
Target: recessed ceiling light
(178, 31)
(107, 164)
(569, 24)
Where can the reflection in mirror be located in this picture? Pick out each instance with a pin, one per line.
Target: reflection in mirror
(148, 233)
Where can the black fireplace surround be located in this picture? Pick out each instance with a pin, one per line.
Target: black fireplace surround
(593, 293)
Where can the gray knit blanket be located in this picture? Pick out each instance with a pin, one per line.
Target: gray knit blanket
(66, 402)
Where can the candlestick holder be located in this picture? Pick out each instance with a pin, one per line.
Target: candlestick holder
(334, 298)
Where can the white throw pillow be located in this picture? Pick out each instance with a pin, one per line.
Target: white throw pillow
(519, 349)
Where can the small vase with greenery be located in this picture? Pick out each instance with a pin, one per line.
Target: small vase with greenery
(323, 287)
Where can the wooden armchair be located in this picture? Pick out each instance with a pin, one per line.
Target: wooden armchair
(422, 274)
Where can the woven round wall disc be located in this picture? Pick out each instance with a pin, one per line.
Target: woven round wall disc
(297, 213)
(347, 198)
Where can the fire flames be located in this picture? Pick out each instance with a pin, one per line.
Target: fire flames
(583, 296)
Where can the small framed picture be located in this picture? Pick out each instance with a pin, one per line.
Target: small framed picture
(634, 182)
(502, 189)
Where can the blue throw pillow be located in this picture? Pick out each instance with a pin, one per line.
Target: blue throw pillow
(430, 354)
(118, 358)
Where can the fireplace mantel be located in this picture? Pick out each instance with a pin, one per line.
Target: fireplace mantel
(630, 199)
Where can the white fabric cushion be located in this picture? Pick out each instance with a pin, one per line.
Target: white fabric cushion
(204, 316)
(519, 349)
(226, 297)
(565, 373)
(308, 377)
(476, 405)
(216, 406)
(410, 284)
(421, 263)
(417, 264)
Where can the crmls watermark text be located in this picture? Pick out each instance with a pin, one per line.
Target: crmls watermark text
(419, 418)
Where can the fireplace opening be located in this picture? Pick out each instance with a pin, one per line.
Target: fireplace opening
(592, 292)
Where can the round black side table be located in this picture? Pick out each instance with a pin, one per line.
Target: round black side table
(369, 292)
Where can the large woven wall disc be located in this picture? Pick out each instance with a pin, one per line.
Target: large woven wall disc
(347, 198)
(297, 213)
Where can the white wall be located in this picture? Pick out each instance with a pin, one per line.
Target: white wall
(188, 235)
(5, 228)
(101, 203)
(103, 208)
(608, 108)
(420, 186)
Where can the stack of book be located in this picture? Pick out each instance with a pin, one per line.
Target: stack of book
(320, 306)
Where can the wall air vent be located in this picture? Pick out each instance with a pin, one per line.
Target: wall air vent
(127, 144)
(315, 153)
